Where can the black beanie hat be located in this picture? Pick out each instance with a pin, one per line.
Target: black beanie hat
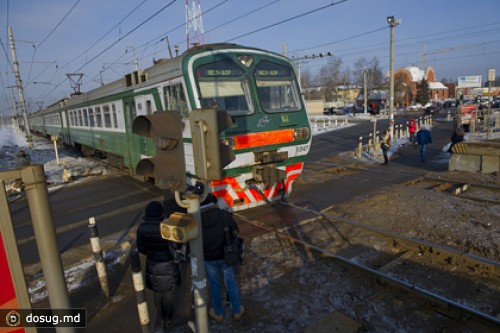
(154, 210)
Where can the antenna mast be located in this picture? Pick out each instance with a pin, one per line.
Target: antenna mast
(194, 22)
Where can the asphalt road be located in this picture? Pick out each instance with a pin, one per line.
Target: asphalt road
(116, 203)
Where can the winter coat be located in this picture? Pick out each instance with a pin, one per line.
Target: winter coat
(412, 126)
(423, 137)
(385, 144)
(214, 220)
(162, 273)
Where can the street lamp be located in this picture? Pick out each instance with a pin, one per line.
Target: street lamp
(392, 23)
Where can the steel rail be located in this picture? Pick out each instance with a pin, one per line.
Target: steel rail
(435, 300)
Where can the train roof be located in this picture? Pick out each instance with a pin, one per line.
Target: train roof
(161, 70)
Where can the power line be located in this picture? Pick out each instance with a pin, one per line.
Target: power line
(58, 24)
(342, 40)
(288, 20)
(120, 39)
(107, 33)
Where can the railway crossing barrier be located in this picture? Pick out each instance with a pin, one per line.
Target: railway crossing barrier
(325, 123)
(100, 265)
(140, 292)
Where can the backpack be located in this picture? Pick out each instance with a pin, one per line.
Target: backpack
(234, 248)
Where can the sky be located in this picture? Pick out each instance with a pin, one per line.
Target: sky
(99, 39)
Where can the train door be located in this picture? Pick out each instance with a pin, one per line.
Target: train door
(65, 127)
(136, 144)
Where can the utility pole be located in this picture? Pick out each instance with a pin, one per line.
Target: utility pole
(365, 88)
(392, 23)
(491, 78)
(20, 89)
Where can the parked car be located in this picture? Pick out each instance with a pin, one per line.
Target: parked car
(431, 110)
(329, 111)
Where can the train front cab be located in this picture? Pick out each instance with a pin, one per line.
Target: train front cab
(271, 135)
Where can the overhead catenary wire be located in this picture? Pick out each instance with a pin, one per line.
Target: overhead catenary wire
(120, 39)
(288, 20)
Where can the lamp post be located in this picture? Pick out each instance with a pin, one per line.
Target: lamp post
(392, 23)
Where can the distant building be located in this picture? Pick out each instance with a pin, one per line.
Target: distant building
(406, 80)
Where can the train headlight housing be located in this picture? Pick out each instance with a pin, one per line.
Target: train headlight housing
(301, 133)
(246, 60)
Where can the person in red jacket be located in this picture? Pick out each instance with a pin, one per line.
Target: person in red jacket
(412, 128)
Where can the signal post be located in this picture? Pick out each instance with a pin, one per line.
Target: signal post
(168, 167)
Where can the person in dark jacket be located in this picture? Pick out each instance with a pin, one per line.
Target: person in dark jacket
(423, 138)
(162, 272)
(456, 137)
(214, 220)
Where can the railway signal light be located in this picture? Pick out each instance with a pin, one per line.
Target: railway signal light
(168, 166)
(211, 155)
(179, 228)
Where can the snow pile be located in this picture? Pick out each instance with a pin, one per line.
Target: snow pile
(43, 152)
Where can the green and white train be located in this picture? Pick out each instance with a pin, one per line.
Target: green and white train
(271, 134)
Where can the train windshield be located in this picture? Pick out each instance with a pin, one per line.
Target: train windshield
(224, 85)
(276, 87)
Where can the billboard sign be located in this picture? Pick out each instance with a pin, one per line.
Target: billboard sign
(469, 81)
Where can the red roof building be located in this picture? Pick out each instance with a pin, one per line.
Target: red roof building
(406, 80)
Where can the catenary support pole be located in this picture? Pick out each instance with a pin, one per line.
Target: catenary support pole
(199, 277)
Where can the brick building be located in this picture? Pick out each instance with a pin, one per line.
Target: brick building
(406, 80)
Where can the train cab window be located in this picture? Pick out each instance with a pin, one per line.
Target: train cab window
(224, 85)
(98, 116)
(175, 99)
(107, 116)
(91, 117)
(276, 87)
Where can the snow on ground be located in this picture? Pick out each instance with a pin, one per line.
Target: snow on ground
(43, 152)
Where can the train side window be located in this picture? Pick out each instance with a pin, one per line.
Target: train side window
(91, 117)
(107, 116)
(98, 116)
(85, 118)
(149, 109)
(115, 117)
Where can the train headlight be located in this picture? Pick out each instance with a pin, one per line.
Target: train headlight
(228, 142)
(301, 133)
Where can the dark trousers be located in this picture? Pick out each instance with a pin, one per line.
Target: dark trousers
(164, 303)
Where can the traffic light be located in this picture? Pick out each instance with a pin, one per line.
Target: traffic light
(211, 155)
(179, 228)
(168, 166)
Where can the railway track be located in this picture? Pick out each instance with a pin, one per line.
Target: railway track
(477, 192)
(427, 272)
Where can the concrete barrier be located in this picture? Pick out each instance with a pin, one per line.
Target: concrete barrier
(475, 156)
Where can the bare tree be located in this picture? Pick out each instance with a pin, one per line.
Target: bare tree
(374, 73)
(330, 76)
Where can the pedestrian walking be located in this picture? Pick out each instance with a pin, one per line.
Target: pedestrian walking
(214, 221)
(423, 138)
(385, 144)
(412, 128)
(162, 272)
